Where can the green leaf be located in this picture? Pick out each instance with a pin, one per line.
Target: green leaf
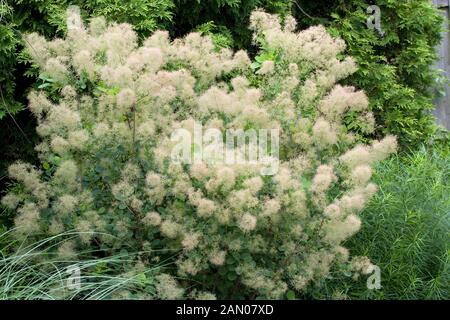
(290, 295)
(222, 271)
(142, 279)
(232, 276)
(334, 16)
(44, 85)
(306, 183)
(255, 65)
(122, 205)
(41, 76)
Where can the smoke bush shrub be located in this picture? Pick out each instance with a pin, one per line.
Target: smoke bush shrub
(396, 69)
(106, 119)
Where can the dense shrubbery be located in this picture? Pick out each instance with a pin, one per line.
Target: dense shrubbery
(224, 18)
(231, 17)
(394, 69)
(48, 18)
(226, 21)
(106, 113)
(405, 232)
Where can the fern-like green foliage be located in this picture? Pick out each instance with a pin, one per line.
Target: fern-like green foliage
(8, 43)
(406, 233)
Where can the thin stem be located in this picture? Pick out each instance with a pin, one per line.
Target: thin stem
(133, 110)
